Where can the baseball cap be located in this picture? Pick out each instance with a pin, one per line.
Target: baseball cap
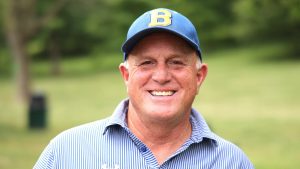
(161, 19)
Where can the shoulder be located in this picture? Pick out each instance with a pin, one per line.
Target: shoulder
(82, 132)
(71, 144)
(230, 151)
(226, 146)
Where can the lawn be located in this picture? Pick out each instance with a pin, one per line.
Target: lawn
(248, 98)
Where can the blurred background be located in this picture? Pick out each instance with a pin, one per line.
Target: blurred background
(59, 69)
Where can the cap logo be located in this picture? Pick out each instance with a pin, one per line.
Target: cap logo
(160, 17)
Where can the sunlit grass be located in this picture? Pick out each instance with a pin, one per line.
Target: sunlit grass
(247, 98)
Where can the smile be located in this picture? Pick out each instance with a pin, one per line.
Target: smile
(162, 93)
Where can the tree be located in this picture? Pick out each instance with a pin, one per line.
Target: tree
(23, 21)
(267, 18)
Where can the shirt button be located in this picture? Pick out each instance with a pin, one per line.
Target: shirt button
(143, 149)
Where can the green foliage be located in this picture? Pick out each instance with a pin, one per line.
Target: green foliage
(83, 27)
(268, 18)
(2, 35)
(5, 63)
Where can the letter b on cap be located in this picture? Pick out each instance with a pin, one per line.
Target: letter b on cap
(160, 17)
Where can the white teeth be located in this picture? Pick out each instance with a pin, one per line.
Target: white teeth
(162, 93)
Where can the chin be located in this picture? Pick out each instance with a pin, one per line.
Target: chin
(162, 112)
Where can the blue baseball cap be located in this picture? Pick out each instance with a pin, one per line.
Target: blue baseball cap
(161, 19)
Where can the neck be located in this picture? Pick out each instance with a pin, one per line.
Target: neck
(162, 138)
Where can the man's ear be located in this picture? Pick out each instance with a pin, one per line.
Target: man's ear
(201, 74)
(124, 72)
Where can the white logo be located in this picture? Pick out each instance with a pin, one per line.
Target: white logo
(116, 166)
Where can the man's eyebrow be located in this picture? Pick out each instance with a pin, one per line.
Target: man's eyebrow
(140, 58)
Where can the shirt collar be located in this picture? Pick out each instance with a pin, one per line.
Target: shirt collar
(119, 116)
(200, 129)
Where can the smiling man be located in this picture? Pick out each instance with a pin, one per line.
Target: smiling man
(162, 74)
(156, 127)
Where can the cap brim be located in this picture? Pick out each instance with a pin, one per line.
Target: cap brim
(132, 41)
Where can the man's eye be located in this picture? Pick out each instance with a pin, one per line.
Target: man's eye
(148, 62)
(177, 62)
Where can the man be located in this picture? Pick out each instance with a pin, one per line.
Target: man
(156, 126)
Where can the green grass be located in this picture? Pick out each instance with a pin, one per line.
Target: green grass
(248, 98)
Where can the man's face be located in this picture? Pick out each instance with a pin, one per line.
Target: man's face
(162, 77)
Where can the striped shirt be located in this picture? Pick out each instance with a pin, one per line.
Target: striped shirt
(109, 144)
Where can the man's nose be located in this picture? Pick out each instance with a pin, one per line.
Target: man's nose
(161, 74)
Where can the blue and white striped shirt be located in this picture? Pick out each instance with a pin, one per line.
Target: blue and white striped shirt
(109, 144)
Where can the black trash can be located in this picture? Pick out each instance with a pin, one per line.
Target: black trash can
(37, 111)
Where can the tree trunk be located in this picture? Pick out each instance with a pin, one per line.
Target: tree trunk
(55, 56)
(22, 23)
(17, 44)
(22, 69)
